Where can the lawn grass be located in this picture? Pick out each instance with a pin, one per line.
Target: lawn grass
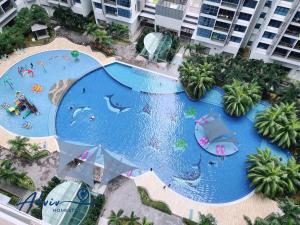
(146, 200)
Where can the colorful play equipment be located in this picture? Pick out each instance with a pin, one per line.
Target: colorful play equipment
(21, 104)
(75, 54)
(37, 88)
(23, 71)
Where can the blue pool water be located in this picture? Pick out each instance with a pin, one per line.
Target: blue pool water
(145, 127)
(58, 65)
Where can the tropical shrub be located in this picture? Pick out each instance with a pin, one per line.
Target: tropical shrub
(196, 80)
(117, 31)
(270, 176)
(117, 218)
(97, 203)
(203, 220)
(240, 97)
(67, 18)
(146, 200)
(280, 124)
(290, 215)
(10, 174)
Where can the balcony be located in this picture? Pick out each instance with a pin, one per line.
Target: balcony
(297, 46)
(226, 14)
(221, 26)
(7, 10)
(110, 2)
(280, 52)
(294, 56)
(287, 42)
(230, 3)
(171, 8)
(296, 18)
(293, 30)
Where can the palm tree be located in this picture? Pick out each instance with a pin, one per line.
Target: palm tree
(201, 80)
(262, 157)
(132, 220)
(186, 70)
(146, 222)
(115, 218)
(290, 93)
(240, 97)
(206, 219)
(293, 175)
(257, 221)
(291, 212)
(268, 179)
(8, 173)
(18, 145)
(91, 27)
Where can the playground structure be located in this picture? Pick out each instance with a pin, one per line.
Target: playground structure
(21, 104)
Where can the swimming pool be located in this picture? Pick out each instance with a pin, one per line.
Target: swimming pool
(156, 130)
(48, 68)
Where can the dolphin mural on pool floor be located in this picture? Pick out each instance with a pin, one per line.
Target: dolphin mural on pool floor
(115, 107)
(77, 111)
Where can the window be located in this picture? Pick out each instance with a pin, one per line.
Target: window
(204, 21)
(275, 23)
(250, 4)
(222, 26)
(219, 37)
(257, 26)
(124, 13)
(98, 5)
(209, 9)
(233, 2)
(235, 39)
(262, 15)
(110, 10)
(217, 1)
(297, 17)
(77, 1)
(263, 45)
(268, 35)
(240, 28)
(203, 32)
(244, 16)
(125, 3)
(268, 4)
(281, 11)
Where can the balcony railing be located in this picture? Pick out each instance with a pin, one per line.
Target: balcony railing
(221, 28)
(229, 4)
(225, 17)
(286, 44)
(293, 32)
(111, 2)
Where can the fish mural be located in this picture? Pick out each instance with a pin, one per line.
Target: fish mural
(191, 177)
(181, 144)
(115, 107)
(190, 113)
(77, 111)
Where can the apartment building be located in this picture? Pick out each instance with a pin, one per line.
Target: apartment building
(226, 25)
(277, 36)
(8, 11)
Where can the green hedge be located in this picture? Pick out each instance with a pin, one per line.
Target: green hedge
(93, 214)
(40, 154)
(188, 221)
(146, 200)
(13, 199)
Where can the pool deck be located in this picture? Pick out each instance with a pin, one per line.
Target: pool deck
(226, 214)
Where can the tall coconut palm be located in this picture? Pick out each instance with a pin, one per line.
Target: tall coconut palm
(132, 219)
(268, 179)
(18, 145)
(7, 172)
(115, 218)
(291, 212)
(201, 80)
